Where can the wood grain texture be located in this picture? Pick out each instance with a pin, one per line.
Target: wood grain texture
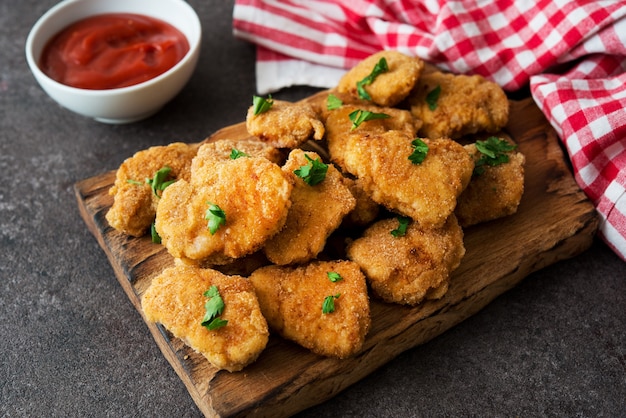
(555, 221)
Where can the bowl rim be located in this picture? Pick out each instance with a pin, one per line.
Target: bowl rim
(194, 46)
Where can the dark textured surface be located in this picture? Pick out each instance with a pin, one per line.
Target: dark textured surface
(73, 345)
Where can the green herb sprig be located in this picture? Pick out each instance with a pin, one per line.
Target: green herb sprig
(403, 224)
(333, 102)
(214, 308)
(359, 116)
(312, 173)
(216, 217)
(433, 97)
(380, 68)
(261, 104)
(420, 150)
(235, 153)
(494, 151)
(329, 303)
(333, 276)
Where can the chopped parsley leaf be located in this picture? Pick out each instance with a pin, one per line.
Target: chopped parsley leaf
(403, 224)
(312, 173)
(154, 235)
(432, 97)
(333, 276)
(329, 303)
(333, 102)
(216, 217)
(420, 149)
(235, 153)
(158, 183)
(493, 152)
(214, 308)
(380, 67)
(261, 104)
(359, 116)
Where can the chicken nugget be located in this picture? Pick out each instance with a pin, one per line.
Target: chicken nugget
(367, 80)
(230, 149)
(316, 211)
(285, 124)
(365, 211)
(426, 191)
(339, 126)
(323, 306)
(407, 268)
(494, 192)
(134, 200)
(176, 299)
(247, 199)
(456, 105)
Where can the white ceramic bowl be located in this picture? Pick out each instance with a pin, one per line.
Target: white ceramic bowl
(126, 104)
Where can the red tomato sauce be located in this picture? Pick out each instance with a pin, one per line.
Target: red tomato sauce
(112, 50)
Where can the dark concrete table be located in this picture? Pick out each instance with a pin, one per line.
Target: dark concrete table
(72, 345)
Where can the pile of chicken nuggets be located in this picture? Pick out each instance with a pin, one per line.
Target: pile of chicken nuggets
(361, 193)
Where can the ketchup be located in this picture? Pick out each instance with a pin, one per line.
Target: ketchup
(112, 50)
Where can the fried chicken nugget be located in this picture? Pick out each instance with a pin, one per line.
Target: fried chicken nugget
(465, 105)
(285, 124)
(252, 192)
(494, 193)
(223, 150)
(388, 88)
(411, 268)
(339, 127)
(134, 202)
(292, 301)
(426, 192)
(176, 299)
(316, 211)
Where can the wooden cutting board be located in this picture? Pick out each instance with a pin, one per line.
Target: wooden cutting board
(555, 221)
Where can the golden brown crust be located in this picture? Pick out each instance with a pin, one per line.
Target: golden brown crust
(466, 105)
(410, 268)
(134, 203)
(252, 191)
(291, 299)
(285, 124)
(176, 299)
(315, 212)
(388, 88)
(495, 193)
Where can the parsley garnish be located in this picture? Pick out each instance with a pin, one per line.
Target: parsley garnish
(432, 97)
(333, 102)
(493, 152)
(216, 217)
(359, 116)
(261, 104)
(333, 276)
(158, 183)
(156, 238)
(214, 308)
(379, 68)
(420, 149)
(329, 303)
(235, 153)
(403, 224)
(312, 173)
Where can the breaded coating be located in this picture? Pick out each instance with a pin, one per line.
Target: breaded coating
(292, 298)
(426, 192)
(339, 127)
(390, 87)
(176, 300)
(365, 211)
(494, 193)
(254, 195)
(466, 105)
(285, 124)
(411, 268)
(223, 148)
(316, 211)
(134, 203)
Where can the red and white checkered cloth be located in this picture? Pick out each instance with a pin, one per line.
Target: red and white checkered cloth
(572, 54)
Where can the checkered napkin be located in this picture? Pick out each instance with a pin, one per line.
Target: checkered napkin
(572, 55)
